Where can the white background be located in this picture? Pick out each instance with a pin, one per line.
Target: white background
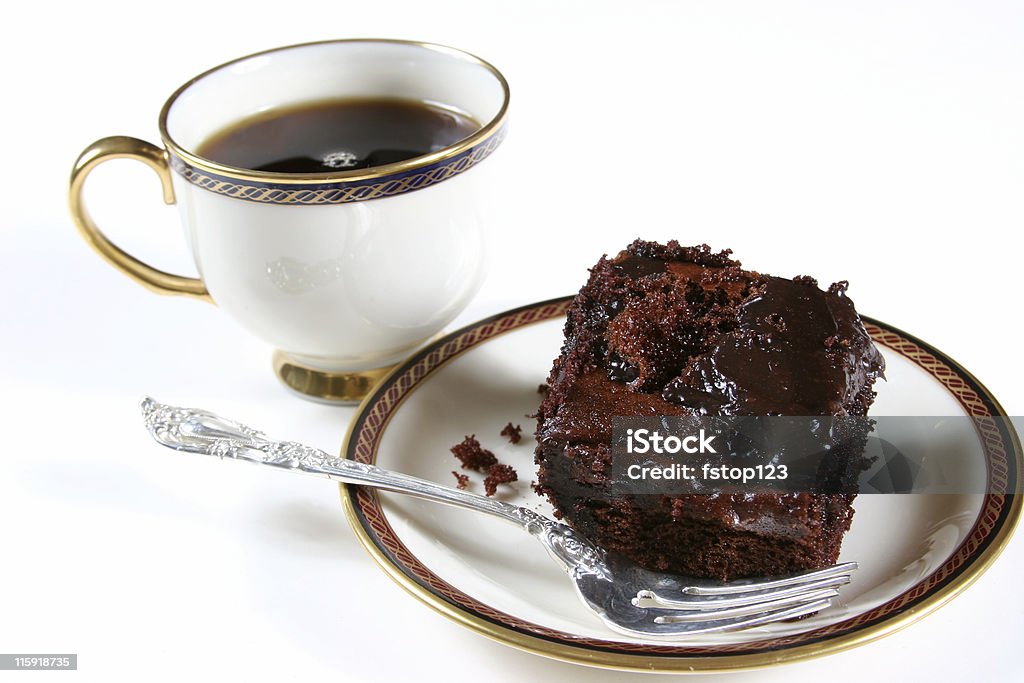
(876, 142)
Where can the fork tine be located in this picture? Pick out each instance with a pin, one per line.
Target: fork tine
(671, 616)
(745, 586)
(741, 623)
(737, 599)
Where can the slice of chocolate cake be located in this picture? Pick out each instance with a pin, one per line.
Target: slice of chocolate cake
(682, 331)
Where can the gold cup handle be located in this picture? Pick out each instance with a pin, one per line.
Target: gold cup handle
(122, 147)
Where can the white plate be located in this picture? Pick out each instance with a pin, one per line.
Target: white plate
(915, 551)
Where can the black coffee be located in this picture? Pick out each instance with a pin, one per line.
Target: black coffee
(337, 135)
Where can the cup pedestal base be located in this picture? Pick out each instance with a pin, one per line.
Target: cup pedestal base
(325, 386)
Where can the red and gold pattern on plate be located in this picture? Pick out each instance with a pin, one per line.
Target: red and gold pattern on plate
(992, 528)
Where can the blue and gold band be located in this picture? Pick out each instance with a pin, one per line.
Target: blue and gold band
(340, 190)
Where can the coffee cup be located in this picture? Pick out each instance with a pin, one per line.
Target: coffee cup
(345, 271)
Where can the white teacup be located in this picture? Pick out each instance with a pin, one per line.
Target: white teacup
(344, 272)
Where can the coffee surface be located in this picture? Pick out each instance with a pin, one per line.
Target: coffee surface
(337, 135)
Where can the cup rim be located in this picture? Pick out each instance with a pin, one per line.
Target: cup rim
(487, 130)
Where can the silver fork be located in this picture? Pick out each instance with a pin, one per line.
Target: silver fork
(628, 599)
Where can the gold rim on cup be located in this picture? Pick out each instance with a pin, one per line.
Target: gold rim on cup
(335, 187)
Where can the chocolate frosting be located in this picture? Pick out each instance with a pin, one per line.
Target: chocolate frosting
(796, 350)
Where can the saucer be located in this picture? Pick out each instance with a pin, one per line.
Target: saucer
(498, 581)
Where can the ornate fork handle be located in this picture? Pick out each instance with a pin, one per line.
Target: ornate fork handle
(199, 431)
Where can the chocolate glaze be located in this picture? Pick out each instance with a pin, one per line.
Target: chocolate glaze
(781, 359)
(638, 266)
(673, 330)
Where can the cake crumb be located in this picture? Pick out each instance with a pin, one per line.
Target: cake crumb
(839, 288)
(514, 433)
(542, 388)
(498, 474)
(473, 456)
